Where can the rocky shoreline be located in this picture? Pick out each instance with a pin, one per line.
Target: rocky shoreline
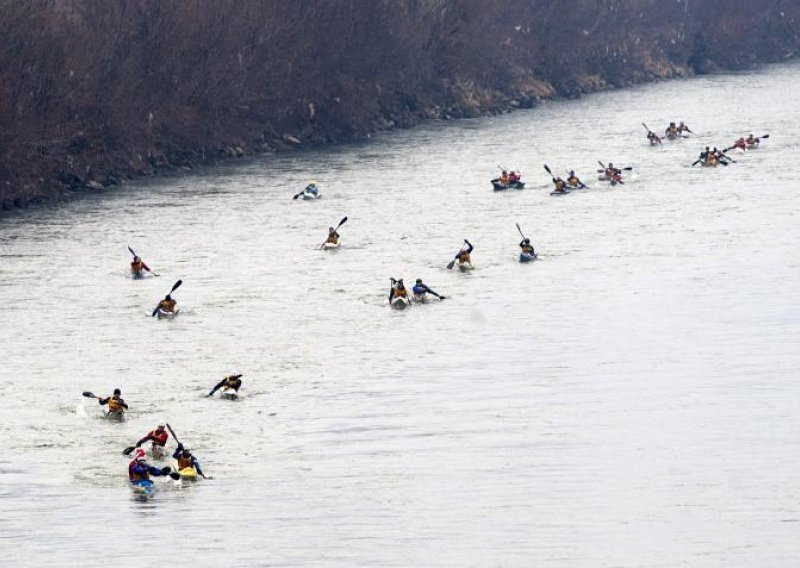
(87, 148)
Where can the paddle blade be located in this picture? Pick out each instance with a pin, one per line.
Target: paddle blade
(602, 165)
(629, 168)
(765, 136)
(176, 285)
(155, 311)
(87, 394)
(171, 431)
(547, 169)
(130, 249)
(342, 222)
(127, 451)
(520, 230)
(166, 470)
(451, 264)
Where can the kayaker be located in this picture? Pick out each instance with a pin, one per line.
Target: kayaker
(682, 127)
(312, 188)
(752, 140)
(612, 173)
(741, 143)
(653, 138)
(398, 290)
(333, 236)
(561, 185)
(720, 156)
(574, 181)
(159, 437)
(139, 470)
(704, 155)
(114, 402)
(513, 177)
(137, 265)
(167, 304)
(231, 382)
(463, 257)
(672, 131)
(527, 247)
(504, 178)
(186, 459)
(421, 290)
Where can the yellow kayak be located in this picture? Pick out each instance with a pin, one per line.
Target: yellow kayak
(188, 474)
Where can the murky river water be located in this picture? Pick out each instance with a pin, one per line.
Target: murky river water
(631, 399)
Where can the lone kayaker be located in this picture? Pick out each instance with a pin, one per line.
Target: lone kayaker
(139, 471)
(167, 304)
(138, 265)
(333, 236)
(115, 403)
(186, 459)
(231, 382)
(158, 437)
(574, 181)
(421, 291)
(463, 257)
(397, 290)
(527, 247)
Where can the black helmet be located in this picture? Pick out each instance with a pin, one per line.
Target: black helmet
(168, 297)
(419, 280)
(117, 391)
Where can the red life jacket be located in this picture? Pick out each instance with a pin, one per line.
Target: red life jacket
(159, 438)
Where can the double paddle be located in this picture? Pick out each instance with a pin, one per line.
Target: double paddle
(342, 222)
(174, 287)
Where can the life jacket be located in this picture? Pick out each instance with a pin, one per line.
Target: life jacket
(504, 179)
(512, 178)
(752, 141)
(159, 438)
(333, 239)
(134, 476)
(711, 159)
(183, 462)
(463, 257)
(231, 383)
(560, 184)
(527, 249)
(167, 305)
(137, 265)
(400, 292)
(419, 290)
(114, 404)
(573, 181)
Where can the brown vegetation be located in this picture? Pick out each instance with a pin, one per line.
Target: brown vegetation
(95, 91)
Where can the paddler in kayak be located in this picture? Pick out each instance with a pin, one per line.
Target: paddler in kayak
(613, 174)
(740, 144)
(137, 266)
(720, 156)
(167, 304)
(139, 471)
(463, 257)
(683, 127)
(574, 181)
(231, 382)
(115, 403)
(397, 290)
(561, 185)
(527, 247)
(186, 459)
(671, 131)
(421, 291)
(753, 141)
(653, 138)
(158, 437)
(513, 177)
(333, 237)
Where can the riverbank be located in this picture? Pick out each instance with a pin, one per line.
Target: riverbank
(175, 88)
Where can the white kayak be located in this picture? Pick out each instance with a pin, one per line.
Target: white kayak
(229, 394)
(331, 246)
(118, 415)
(162, 314)
(399, 303)
(526, 257)
(157, 451)
(421, 298)
(310, 195)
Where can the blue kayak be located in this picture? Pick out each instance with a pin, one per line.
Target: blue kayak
(525, 257)
(144, 486)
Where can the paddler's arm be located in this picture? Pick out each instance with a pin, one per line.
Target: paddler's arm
(123, 404)
(153, 470)
(469, 244)
(196, 465)
(143, 440)
(103, 401)
(216, 388)
(177, 451)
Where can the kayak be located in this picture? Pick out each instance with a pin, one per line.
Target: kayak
(137, 274)
(526, 257)
(399, 303)
(142, 487)
(162, 314)
(331, 246)
(707, 165)
(229, 394)
(114, 415)
(188, 474)
(465, 266)
(514, 185)
(753, 146)
(421, 298)
(562, 192)
(157, 451)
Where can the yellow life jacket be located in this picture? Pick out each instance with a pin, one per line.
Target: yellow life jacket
(183, 462)
(231, 383)
(560, 185)
(333, 239)
(504, 180)
(463, 257)
(114, 404)
(573, 181)
(527, 249)
(167, 305)
(400, 292)
(137, 265)
(712, 158)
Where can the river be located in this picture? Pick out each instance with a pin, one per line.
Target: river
(631, 399)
